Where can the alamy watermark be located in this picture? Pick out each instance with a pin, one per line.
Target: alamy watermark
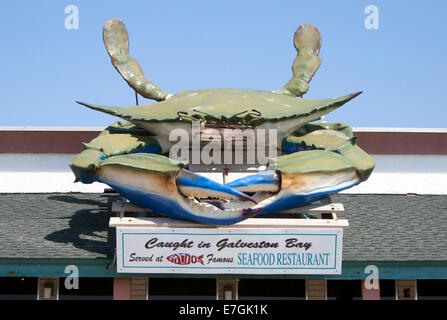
(372, 280)
(72, 19)
(226, 146)
(72, 280)
(372, 19)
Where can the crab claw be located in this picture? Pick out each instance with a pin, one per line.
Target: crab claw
(309, 176)
(194, 185)
(267, 181)
(162, 185)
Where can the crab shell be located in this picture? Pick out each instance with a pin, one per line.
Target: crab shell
(323, 158)
(247, 108)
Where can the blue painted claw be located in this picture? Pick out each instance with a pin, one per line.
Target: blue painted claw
(194, 185)
(163, 185)
(267, 181)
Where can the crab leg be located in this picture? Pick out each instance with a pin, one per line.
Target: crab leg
(115, 140)
(116, 40)
(307, 41)
(340, 141)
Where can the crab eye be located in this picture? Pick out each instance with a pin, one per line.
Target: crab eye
(256, 113)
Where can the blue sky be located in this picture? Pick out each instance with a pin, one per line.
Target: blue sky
(401, 67)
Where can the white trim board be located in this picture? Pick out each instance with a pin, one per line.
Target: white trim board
(394, 174)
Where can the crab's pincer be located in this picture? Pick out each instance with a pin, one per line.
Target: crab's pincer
(194, 185)
(266, 181)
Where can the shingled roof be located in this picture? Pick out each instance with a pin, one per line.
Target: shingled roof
(75, 226)
(56, 226)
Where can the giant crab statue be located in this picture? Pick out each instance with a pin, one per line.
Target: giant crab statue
(317, 159)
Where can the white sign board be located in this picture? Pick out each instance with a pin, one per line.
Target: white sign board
(229, 251)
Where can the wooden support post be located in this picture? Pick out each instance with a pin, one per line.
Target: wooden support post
(227, 289)
(225, 175)
(406, 290)
(139, 288)
(316, 289)
(48, 289)
(121, 289)
(370, 293)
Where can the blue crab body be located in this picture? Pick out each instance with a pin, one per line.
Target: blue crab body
(133, 157)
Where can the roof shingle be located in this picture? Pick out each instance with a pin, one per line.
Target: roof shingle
(75, 226)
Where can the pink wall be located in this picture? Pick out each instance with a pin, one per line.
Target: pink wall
(370, 294)
(121, 289)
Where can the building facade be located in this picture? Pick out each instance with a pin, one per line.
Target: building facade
(57, 243)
